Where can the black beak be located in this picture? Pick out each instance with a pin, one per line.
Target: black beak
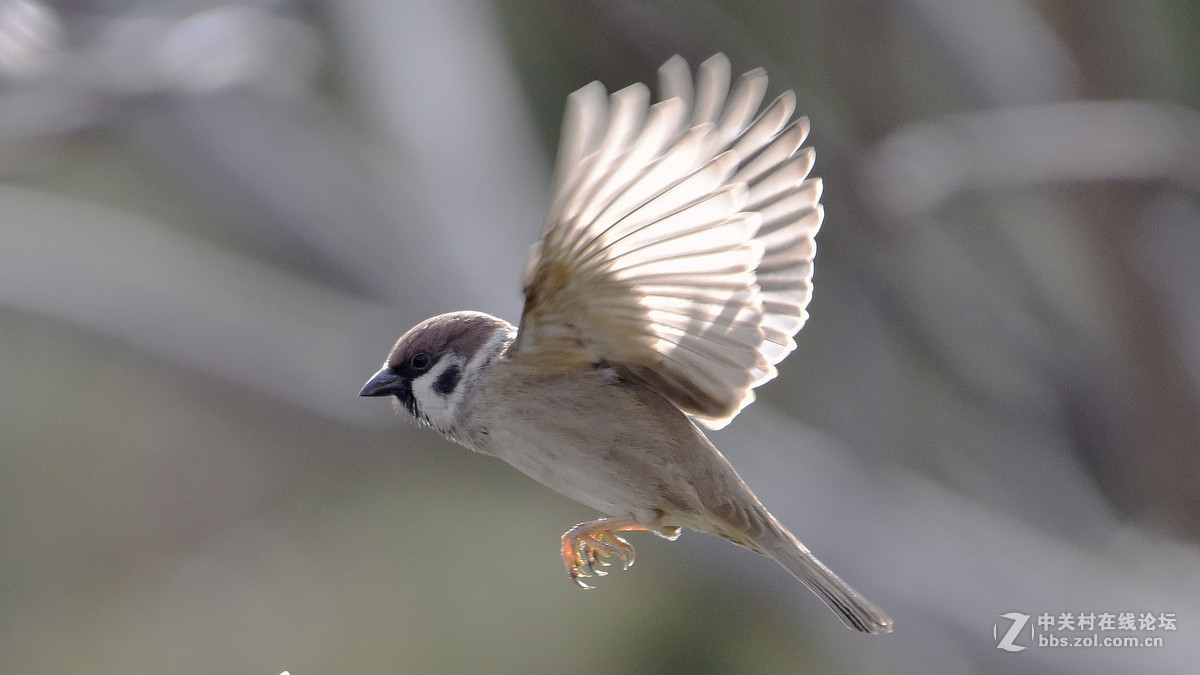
(383, 383)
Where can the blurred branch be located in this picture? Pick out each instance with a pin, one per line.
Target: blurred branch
(920, 166)
(175, 298)
(1003, 50)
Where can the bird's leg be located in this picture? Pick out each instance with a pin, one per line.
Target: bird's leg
(587, 544)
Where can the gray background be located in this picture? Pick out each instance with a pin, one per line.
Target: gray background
(216, 218)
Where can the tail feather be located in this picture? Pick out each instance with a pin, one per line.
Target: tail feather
(855, 611)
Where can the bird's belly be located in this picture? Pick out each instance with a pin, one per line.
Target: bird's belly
(558, 461)
(612, 458)
(596, 438)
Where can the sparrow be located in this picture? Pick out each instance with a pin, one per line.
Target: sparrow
(674, 269)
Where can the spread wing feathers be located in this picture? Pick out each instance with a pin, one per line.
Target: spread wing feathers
(679, 243)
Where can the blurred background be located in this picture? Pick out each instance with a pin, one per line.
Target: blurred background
(215, 219)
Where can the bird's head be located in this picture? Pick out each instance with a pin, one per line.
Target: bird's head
(435, 366)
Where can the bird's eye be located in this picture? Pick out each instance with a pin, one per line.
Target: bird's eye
(420, 361)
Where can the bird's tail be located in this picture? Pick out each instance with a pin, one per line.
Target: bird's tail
(856, 611)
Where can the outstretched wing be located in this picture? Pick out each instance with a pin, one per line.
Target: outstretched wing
(679, 243)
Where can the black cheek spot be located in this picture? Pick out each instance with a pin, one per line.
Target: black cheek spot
(448, 380)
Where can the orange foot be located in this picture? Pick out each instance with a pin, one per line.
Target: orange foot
(587, 544)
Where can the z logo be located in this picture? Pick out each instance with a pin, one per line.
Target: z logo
(1006, 643)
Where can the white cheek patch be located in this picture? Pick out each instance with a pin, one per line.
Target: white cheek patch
(438, 392)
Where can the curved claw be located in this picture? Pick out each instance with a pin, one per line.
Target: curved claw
(575, 576)
(587, 545)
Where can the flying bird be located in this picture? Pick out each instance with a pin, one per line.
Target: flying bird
(672, 274)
